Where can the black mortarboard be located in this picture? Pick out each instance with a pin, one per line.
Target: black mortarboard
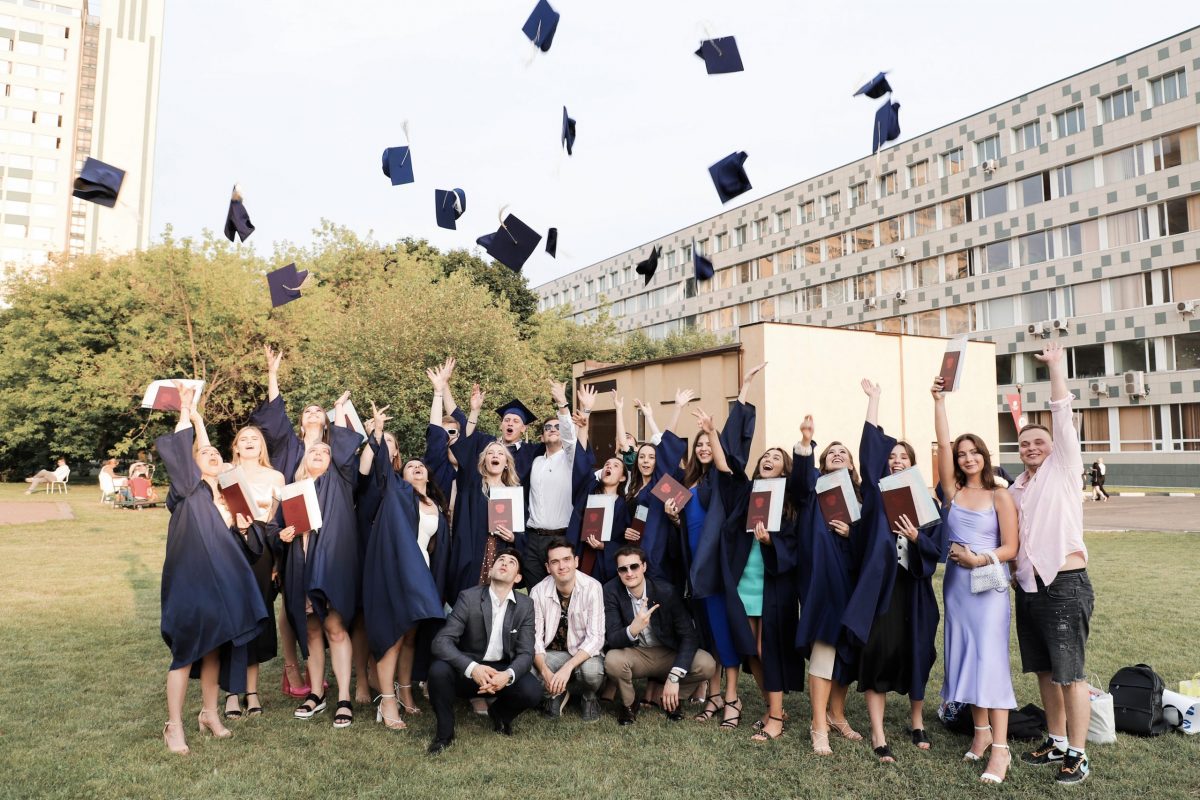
(648, 266)
(720, 55)
(518, 408)
(541, 25)
(99, 182)
(875, 88)
(237, 220)
(701, 263)
(285, 284)
(568, 131)
(449, 205)
(729, 177)
(552, 242)
(397, 165)
(512, 243)
(887, 125)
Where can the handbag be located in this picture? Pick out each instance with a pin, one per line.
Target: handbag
(990, 576)
(1102, 724)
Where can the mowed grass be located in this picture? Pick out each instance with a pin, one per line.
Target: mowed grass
(82, 669)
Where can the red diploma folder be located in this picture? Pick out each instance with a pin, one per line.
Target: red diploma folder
(952, 363)
(759, 510)
(237, 493)
(638, 523)
(499, 514)
(905, 493)
(670, 489)
(300, 508)
(836, 498)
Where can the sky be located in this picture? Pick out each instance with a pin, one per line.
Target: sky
(296, 102)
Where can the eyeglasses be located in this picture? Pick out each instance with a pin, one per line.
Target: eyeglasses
(550, 426)
(628, 568)
(451, 432)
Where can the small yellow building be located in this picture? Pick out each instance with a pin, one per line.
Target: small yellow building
(810, 370)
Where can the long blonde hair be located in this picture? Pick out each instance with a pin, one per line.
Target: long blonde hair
(264, 459)
(302, 469)
(508, 476)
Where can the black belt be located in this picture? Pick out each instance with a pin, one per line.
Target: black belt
(540, 532)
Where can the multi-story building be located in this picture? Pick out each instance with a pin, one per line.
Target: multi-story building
(75, 85)
(1070, 213)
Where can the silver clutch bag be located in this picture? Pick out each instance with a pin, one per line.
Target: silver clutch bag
(993, 575)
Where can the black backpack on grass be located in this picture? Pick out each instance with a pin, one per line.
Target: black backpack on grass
(1138, 701)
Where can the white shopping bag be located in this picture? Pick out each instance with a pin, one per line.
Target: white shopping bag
(1102, 726)
(1182, 711)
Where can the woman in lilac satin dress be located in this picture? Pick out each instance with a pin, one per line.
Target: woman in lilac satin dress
(980, 521)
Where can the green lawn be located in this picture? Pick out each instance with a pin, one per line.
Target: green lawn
(82, 702)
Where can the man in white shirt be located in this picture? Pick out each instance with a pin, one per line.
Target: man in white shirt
(568, 632)
(60, 474)
(485, 648)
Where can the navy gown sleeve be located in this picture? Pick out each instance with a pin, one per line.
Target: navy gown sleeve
(437, 457)
(872, 539)
(284, 446)
(738, 434)
(176, 452)
(670, 452)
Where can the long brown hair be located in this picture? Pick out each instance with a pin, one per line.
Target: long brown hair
(853, 472)
(908, 448)
(694, 471)
(433, 492)
(987, 476)
(636, 482)
(789, 510)
(599, 488)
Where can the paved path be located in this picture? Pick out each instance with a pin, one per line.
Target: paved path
(1143, 514)
(26, 511)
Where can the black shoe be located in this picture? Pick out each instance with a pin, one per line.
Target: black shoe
(627, 715)
(1044, 753)
(438, 746)
(1074, 769)
(499, 724)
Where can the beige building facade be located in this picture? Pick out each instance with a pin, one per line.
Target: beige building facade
(76, 84)
(810, 370)
(1070, 213)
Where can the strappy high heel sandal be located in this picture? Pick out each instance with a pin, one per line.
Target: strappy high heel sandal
(404, 707)
(212, 725)
(396, 724)
(820, 742)
(729, 723)
(235, 713)
(710, 708)
(764, 735)
(759, 724)
(971, 755)
(181, 749)
(252, 711)
(845, 731)
(991, 777)
(344, 717)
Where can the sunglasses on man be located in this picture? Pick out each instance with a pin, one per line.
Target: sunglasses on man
(628, 568)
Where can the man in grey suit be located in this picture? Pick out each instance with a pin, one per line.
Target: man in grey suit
(485, 648)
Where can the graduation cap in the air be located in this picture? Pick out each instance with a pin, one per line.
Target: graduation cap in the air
(720, 55)
(887, 125)
(541, 25)
(99, 182)
(397, 165)
(568, 131)
(515, 406)
(876, 88)
(648, 266)
(449, 205)
(701, 263)
(237, 219)
(729, 176)
(552, 242)
(285, 284)
(512, 243)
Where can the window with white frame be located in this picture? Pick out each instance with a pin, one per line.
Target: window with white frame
(739, 235)
(858, 194)
(918, 173)
(887, 184)
(687, 253)
(671, 256)
(808, 211)
(1069, 122)
(832, 203)
(993, 201)
(1117, 105)
(952, 162)
(1028, 136)
(1168, 88)
(783, 220)
(987, 149)
(1033, 190)
(1036, 247)
(1123, 164)
(761, 228)
(720, 242)
(1074, 178)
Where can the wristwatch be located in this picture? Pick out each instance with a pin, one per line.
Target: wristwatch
(673, 677)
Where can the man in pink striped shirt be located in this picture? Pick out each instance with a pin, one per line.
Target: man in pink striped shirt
(1054, 597)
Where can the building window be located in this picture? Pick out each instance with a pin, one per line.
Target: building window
(833, 247)
(812, 253)
(926, 323)
(1175, 149)
(1124, 164)
(860, 287)
(1036, 248)
(952, 162)
(997, 256)
(602, 283)
(918, 174)
(891, 230)
(702, 247)
(686, 253)
(1081, 237)
(924, 220)
(988, 149)
(956, 212)
(1086, 361)
(783, 220)
(1135, 354)
(689, 288)
(760, 228)
(808, 211)
(1069, 122)
(1185, 426)
(1187, 351)
(858, 194)
(1001, 313)
(1128, 227)
(926, 272)
(1173, 216)
(1028, 135)
(863, 238)
(739, 235)
(671, 258)
(746, 273)
(1125, 293)
(835, 293)
(1167, 88)
(832, 203)
(1074, 178)
(887, 184)
(720, 243)
(812, 298)
(1117, 105)
(993, 201)
(1033, 190)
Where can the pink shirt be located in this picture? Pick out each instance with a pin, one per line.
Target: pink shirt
(1051, 505)
(585, 615)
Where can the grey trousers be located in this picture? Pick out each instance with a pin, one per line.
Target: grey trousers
(585, 680)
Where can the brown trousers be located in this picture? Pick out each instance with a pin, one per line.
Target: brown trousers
(628, 663)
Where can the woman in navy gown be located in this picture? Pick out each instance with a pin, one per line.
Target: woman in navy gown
(980, 520)
(401, 589)
(826, 581)
(598, 558)
(893, 613)
(211, 607)
(322, 567)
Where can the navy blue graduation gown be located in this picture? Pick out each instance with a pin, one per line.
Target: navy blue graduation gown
(826, 574)
(329, 576)
(783, 669)
(660, 539)
(399, 590)
(877, 566)
(210, 600)
(523, 453)
(437, 457)
(584, 484)
(284, 445)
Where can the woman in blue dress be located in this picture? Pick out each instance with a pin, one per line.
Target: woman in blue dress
(211, 607)
(981, 524)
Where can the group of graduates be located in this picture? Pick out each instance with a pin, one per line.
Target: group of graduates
(401, 541)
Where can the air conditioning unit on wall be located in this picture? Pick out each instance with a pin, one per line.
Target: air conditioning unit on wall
(1039, 329)
(1135, 384)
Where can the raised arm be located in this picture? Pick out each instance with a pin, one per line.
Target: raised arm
(705, 423)
(374, 428)
(941, 428)
(747, 380)
(1052, 357)
(339, 410)
(273, 360)
(872, 391)
(477, 398)
(682, 398)
(198, 423)
(619, 405)
(443, 403)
